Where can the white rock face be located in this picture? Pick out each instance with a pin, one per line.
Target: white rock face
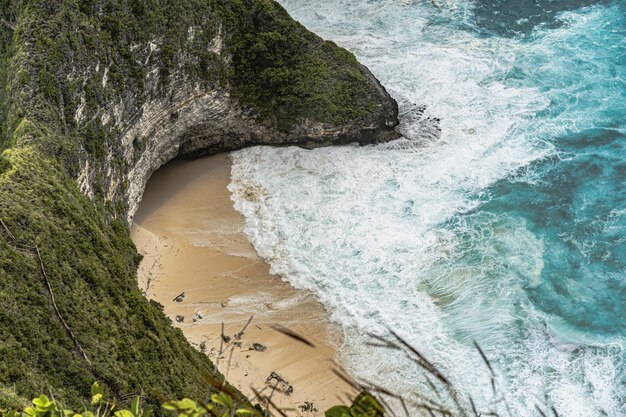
(186, 118)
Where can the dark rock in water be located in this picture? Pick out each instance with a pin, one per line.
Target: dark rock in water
(429, 127)
(258, 347)
(180, 319)
(279, 383)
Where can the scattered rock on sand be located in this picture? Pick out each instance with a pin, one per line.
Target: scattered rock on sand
(197, 316)
(180, 319)
(258, 347)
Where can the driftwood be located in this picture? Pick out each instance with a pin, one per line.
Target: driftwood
(285, 387)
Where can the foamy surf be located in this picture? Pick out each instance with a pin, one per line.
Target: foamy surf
(480, 232)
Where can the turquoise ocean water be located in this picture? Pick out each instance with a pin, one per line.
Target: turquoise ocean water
(504, 225)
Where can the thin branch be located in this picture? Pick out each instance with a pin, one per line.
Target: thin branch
(219, 354)
(384, 342)
(8, 231)
(241, 332)
(422, 361)
(79, 348)
(430, 368)
(488, 363)
(8, 24)
(347, 379)
(230, 357)
(290, 333)
(484, 357)
(473, 407)
(540, 411)
(262, 399)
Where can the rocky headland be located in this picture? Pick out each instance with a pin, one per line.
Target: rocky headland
(94, 97)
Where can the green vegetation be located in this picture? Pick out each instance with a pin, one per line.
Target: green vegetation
(90, 264)
(287, 73)
(70, 309)
(364, 405)
(218, 405)
(58, 52)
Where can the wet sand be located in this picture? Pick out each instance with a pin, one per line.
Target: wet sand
(193, 242)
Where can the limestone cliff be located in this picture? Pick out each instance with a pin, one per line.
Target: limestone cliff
(189, 120)
(95, 95)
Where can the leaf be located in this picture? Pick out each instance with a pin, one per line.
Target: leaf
(246, 412)
(30, 411)
(217, 399)
(228, 400)
(134, 407)
(365, 405)
(338, 411)
(96, 399)
(123, 413)
(43, 403)
(96, 389)
(184, 405)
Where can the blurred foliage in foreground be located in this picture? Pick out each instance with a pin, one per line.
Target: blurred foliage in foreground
(218, 405)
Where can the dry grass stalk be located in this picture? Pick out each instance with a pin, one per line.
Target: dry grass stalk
(290, 333)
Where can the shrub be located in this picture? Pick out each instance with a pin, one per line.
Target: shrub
(219, 405)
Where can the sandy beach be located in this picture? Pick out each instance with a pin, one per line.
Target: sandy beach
(194, 244)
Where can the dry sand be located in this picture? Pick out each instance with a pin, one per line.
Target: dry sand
(193, 242)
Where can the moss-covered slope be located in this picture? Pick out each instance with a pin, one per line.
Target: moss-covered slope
(96, 95)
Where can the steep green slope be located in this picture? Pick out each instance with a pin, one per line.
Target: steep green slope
(78, 84)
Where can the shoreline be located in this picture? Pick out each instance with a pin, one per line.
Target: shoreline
(193, 242)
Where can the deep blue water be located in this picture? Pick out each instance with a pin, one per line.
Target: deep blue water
(507, 228)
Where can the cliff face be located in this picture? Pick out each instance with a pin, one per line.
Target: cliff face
(188, 120)
(94, 97)
(134, 84)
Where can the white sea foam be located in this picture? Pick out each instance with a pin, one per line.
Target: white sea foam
(392, 235)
